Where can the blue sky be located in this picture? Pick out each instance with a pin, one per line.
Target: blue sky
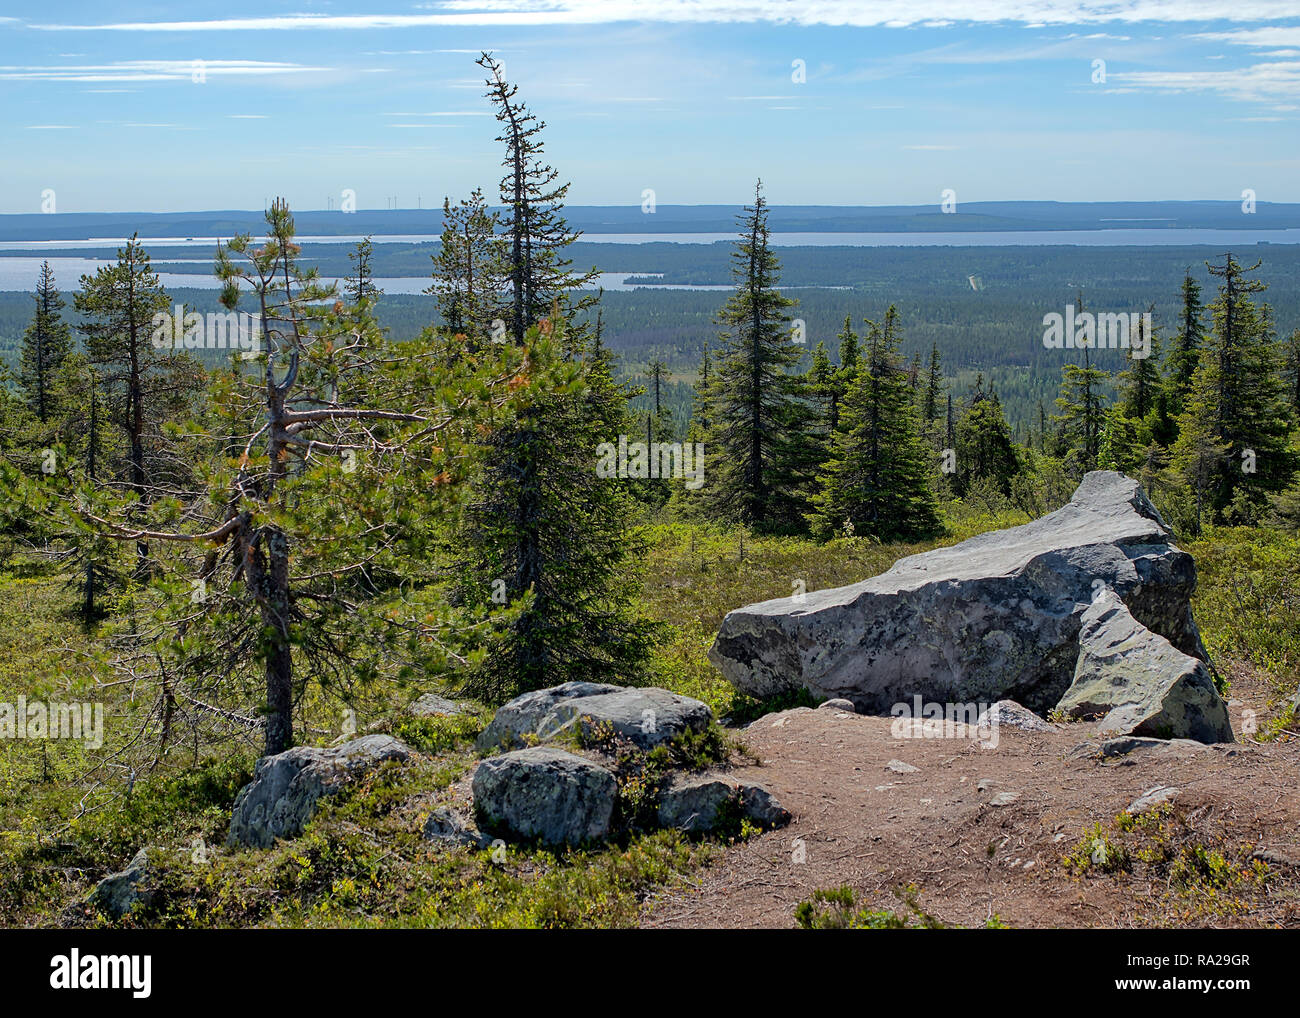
(994, 99)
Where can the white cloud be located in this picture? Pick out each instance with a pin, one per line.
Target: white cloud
(1257, 83)
(151, 70)
(887, 13)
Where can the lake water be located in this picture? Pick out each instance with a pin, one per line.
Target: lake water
(19, 273)
(1086, 238)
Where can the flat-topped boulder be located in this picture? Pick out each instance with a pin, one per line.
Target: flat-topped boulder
(1138, 683)
(643, 715)
(996, 617)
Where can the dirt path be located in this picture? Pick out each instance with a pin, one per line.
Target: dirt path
(983, 830)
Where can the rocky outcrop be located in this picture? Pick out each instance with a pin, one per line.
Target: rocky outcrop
(118, 893)
(995, 617)
(286, 789)
(644, 716)
(546, 794)
(1138, 683)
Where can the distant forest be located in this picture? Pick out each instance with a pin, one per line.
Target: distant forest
(982, 306)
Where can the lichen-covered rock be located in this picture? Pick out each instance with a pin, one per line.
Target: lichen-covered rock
(286, 788)
(1139, 683)
(118, 893)
(645, 716)
(699, 804)
(547, 794)
(994, 617)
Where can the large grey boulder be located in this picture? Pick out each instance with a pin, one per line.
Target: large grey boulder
(645, 716)
(287, 788)
(547, 794)
(118, 893)
(994, 617)
(700, 804)
(1140, 682)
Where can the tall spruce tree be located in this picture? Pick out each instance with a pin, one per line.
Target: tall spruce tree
(757, 446)
(1185, 351)
(46, 342)
(534, 227)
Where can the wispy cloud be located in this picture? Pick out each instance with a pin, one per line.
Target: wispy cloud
(152, 70)
(888, 13)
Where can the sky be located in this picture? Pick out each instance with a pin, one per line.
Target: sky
(154, 107)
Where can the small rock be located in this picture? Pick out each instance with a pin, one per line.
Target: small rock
(558, 798)
(838, 703)
(1274, 857)
(1010, 713)
(433, 705)
(450, 829)
(118, 893)
(1152, 797)
(1125, 744)
(899, 767)
(698, 804)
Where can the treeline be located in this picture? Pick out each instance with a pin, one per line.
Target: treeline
(869, 442)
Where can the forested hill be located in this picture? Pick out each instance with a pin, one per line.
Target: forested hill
(991, 215)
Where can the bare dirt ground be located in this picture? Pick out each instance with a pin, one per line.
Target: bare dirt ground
(982, 831)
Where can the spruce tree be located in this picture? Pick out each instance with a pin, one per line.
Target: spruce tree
(468, 273)
(757, 444)
(1185, 351)
(534, 227)
(877, 482)
(46, 342)
(146, 383)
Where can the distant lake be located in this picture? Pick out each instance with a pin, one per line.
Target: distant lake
(19, 273)
(989, 238)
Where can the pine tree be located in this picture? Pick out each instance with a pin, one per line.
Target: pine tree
(360, 285)
(534, 226)
(757, 432)
(878, 480)
(46, 342)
